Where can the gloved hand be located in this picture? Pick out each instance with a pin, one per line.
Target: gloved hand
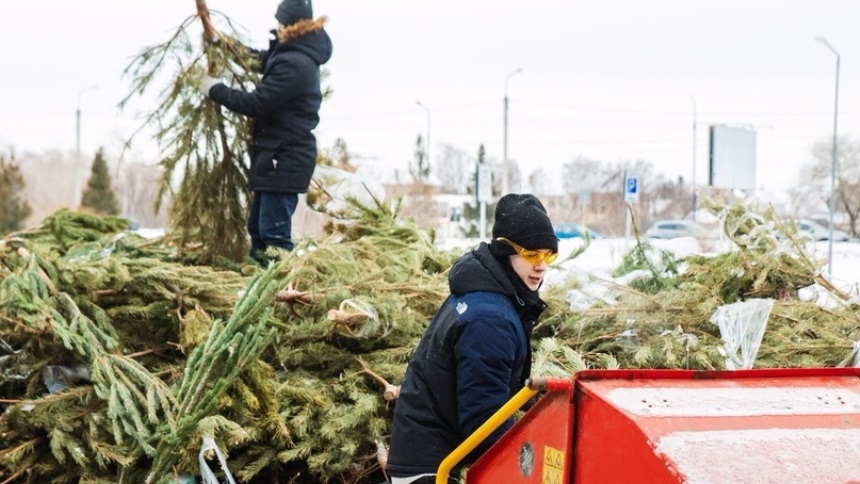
(206, 84)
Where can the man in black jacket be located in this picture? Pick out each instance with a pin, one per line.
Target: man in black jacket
(475, 354)
(285, 107)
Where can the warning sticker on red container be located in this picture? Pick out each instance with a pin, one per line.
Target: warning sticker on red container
(553, 466)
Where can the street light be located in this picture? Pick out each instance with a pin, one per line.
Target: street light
(695, 202)
(78, 118)
(505, 152)
(832, 160)
(427, 149)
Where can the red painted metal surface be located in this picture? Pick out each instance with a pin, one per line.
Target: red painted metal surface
(536, 449)
(678, 426)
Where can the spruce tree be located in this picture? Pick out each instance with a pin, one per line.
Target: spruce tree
(15, 208)
(472, 210)
(204, 161)
(420, 167)
(99, 195)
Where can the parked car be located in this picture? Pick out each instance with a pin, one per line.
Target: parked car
(819, 232)
(670, 229)
(569, 230)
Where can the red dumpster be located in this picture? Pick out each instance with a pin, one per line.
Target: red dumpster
(679, 426)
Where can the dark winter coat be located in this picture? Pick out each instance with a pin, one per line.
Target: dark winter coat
(473, 357)
(285, 107)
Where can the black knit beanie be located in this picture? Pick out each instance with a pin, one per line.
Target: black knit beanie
(522, 219)
(291, 11)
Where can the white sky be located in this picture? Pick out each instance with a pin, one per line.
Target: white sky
(612, 80)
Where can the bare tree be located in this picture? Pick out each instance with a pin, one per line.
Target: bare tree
(515, 176)
(584, 175)
(541, 182)
(136, 186)
(453, 169)
(847, 177)
(51, 183)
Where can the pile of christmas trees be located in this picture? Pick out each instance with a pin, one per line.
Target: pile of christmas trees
(127, 360)
(120, 360)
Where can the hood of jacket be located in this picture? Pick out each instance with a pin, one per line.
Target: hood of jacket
(308, 37)
(478, 270)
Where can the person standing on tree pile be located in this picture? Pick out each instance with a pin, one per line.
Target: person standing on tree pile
(475, 354)
(285, 107)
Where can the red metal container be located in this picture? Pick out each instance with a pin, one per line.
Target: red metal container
(764, 426)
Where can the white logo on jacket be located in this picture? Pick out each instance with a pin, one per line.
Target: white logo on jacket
(462, 307)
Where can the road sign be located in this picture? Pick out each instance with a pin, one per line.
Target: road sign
(631, 188)
(485, 183)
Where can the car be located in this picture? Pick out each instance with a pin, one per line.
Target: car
(670, 229)
(570, 230)
(819, 232)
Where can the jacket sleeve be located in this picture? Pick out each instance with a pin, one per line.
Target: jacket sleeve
(277, 87)
(486, 353)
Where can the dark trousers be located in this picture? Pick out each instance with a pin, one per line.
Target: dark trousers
(270, 222)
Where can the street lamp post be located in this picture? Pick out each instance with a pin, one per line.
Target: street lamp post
(427, 149)
(695, 201)
(78, 118)
(832, 160)
(505, 187)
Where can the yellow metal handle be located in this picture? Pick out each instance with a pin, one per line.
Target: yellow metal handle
(483, 432)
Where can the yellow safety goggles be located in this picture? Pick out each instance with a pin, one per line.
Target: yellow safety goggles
(531, 256)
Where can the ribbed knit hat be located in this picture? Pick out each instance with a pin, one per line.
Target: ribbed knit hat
(522, 219)
(291, 11)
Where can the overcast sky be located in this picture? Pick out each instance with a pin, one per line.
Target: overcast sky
(612, 80)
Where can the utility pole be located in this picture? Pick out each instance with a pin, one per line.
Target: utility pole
(695, 201)
(78, 118)
(505, 185)
(832, 161)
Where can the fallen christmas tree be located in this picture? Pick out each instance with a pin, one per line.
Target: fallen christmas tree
(119, 362)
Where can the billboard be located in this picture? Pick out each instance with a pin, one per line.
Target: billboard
(731, 155)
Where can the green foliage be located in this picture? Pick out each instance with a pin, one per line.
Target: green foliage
(287, 367)
(98, 195)
(657, 314)
(279, 385)
(15, 208)
(660, 266)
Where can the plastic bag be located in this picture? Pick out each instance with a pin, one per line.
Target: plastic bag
(742, 326)
(331, 188)
(58, 378)
(205, 471)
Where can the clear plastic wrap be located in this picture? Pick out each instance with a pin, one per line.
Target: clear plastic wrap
(742, 326)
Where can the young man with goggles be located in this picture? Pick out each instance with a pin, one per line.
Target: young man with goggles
(475, 354)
